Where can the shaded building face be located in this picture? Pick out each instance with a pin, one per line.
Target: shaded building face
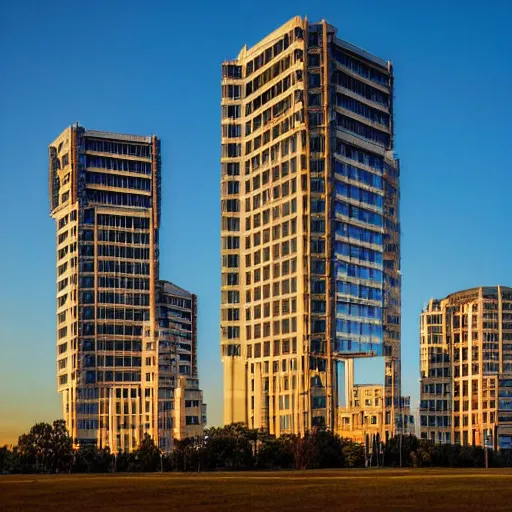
(309, 228)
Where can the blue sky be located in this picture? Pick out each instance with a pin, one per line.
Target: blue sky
(154, 67)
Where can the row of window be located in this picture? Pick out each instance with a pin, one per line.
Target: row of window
(358, 253)
(115, 180)
(174, 314)
(358, 67)
(270, 73)
(233, 223)
(276, 328)
(284, 307)
(358, 310)
(63, 283)
(357, 233)
(118, 236)
(362, 130)
(272, 194)
(120, 148)
(344, 344)
(88, 329)
(280, 347)
(273, 51)
(180, 302)
(117, 221)
(87, 424)
(116, 251)
(129, 298)
(265, 120)
(359, 328)
(118, 199)
(91, 345)
(120, 267)
(278, 251)
(118, 164)
(283, 287)
(361, 109)
(92, 376)
(278, 109)
(343, 269)
(66, 250)
(278, 129)
(358, 155)
(359, 291)
(438, 389)
(130, 283)
(110, 361)
(67, 218)
(361, 89)
(279, 269)
(62, 237)
(359, 194)
(275, 155)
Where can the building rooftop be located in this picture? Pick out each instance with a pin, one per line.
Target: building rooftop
(297, 21)
(362, 53)
(174, 289)
(117, 136)
(467, 294)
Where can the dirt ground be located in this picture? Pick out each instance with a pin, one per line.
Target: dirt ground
(346, 490)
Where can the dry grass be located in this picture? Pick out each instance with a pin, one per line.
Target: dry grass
(346, 490)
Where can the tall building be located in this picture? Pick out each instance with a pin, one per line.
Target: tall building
(310, 243)
(181, 411)
(104, 193)
(466, 368)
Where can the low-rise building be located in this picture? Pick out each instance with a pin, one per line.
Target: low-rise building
(362, 418)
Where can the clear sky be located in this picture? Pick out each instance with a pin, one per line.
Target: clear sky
(154, 67)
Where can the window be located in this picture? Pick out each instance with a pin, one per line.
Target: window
(314, 80)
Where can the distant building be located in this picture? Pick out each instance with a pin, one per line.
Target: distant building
(466, 368)
(104, 193)
(362, 417)
(310, 232)
(406, 423)
(181, 412)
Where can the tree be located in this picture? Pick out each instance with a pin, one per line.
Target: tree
(148, 455)
(5, 459)
(353, 454)
(274, 452)
(408, 446)
(46, 448)
(327, 449)
(229, 447)
(303, 451)
(91, 459)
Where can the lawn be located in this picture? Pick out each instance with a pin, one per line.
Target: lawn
(346, 490)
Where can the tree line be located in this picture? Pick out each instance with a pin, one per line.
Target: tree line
(49, 449)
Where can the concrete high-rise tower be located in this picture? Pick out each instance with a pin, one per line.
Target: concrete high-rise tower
(310, 234)
(104, 193)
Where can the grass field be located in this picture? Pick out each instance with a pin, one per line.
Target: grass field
(346, 490)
